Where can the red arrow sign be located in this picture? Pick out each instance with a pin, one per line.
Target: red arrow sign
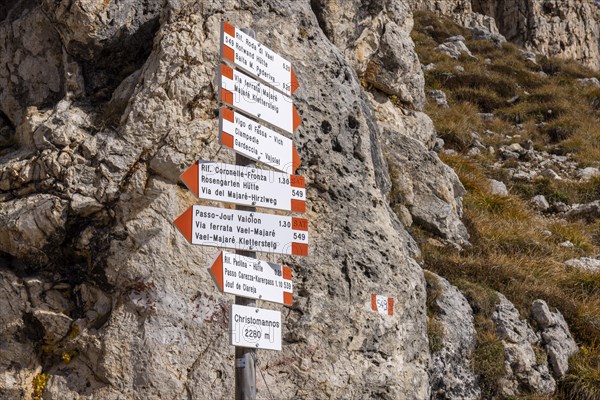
(254, 140)
(244, 230)
(257, 99)
(257, 60)
(246, 186)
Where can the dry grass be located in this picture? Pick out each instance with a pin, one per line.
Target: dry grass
(499, 73)
(569, 192)
(512, 254)
(515, 250)
(583, 380)
(437, 27)
(455, 124)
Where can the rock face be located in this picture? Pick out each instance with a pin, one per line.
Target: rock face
(108, 103)
(523, 367)
(19, 332)
(375, 38)
(451, 374)
(429, 190)
(564, 28)
(569, 29)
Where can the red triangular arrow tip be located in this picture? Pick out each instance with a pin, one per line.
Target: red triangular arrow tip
(190, 178)
(184, 223)
(296, 120)
(293, 81)
(295, 159)
(216, 270)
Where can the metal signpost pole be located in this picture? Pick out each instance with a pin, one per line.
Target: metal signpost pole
(245, 358)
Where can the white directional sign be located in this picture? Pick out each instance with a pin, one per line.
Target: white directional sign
(257, 60)
(254, 327)
(252, 278)
(257, 99)
(253, 140)
(246, 186)
(244, 230)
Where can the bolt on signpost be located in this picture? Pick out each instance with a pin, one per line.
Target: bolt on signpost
(260, 96)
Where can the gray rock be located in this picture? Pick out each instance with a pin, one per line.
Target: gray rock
(439, 97)
(432, 191)
(540, 202)
(474, 151)
(588, 173)
(414, 124)
(451, 374)
(84, 205)
(56, 325)
(484, 33)
(395, 67)
(550, 173)
(584, 211)
(31, 53)
(529, 56)
(14, 319)
(498, 188)
(508, 154)
(567, 244)
(428, 67)
(556, 337)
(522, 368)
(588, 264)
(38, 228)
(516, 147)
(560, 207)
(454, 47)
(536, 26)
(589, 82)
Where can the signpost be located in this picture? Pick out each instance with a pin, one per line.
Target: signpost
(264, 95)
(247, 186)
(252, 278)
(256, 141)
(254, 327)
(244, 230)
(257, 60)
(257, 99)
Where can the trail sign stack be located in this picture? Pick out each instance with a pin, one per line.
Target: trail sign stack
(255, 85)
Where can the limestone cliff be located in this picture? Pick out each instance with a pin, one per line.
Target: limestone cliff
(568, 29)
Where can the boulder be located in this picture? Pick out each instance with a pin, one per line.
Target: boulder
(588, 264)
(498, 188)
(454, 47)
(524, 371)
(556, 337)
(586, 174)
(439, 97)
(540, 202)
(395, 68)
